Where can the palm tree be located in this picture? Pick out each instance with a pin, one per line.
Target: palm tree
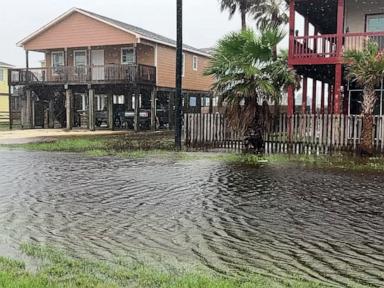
(243, 6)
(245, 75)
(271, 14)
(366, 68)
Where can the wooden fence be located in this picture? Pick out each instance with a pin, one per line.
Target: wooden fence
(300, 134)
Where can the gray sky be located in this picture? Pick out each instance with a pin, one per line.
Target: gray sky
(204, 24)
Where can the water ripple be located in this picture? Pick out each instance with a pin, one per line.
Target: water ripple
(275, 221)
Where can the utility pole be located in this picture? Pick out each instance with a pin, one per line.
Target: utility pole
(179, 71)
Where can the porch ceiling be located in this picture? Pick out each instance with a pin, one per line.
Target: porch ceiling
(321, 13)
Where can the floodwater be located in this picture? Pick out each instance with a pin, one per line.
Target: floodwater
(272, 220)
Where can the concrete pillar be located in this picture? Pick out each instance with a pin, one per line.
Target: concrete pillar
(137, 110)
(69, 108)
(91, 110)
(110, 111)
(153, 110)
(28, 109)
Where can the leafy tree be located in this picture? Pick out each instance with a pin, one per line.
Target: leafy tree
(366, 68)
(246, 75)
(243, 6)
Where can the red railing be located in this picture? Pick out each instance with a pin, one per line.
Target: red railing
(315, 46)
(326, 46)
(84, 74)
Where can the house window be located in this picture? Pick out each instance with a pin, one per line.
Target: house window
(80, 58)
(118, 99)
(57, 61)
(195, 63)
(375, 23)
(1, 74)
(192, 101)
(128, 56)
(205, 101)
(80, 61)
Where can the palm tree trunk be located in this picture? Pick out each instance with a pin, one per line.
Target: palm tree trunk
(369, 101)
(366, 147)
(243, 20)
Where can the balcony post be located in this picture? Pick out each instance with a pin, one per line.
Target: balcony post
(304, 95)
(51, 123)
(340, 27)
(306, 34)
(153, 110)
(322, 106)
(137, 109)
(69, 108)
(337, 88)
(110, 111)
(28, 110)
(26, 65)
(291, 28)
(66, 71)
(330, 96)
(314, 96)
(91, 109)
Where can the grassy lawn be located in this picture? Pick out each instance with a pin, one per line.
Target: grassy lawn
(58, 270)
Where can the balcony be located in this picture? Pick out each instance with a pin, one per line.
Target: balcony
(323, 49)
(106, 74)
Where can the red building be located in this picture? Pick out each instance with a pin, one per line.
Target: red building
(327, 29)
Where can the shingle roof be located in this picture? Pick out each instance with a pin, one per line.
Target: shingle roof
(142, 32)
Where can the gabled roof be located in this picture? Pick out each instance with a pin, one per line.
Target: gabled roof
(5, 65)
(137, 31)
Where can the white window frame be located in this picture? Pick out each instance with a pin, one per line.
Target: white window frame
(74, 57)
(134, 55)
(195, 63)
(76, 65)
(184, 60)
(52, 61)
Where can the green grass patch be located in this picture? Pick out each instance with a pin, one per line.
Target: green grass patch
(58, 270)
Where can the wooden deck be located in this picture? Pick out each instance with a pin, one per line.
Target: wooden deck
(323, 49)
(106, 74)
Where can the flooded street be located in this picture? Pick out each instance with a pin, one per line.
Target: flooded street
(272, 220)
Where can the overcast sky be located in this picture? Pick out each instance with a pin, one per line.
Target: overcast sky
(204, 24)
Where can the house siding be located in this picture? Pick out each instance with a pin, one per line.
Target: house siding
(192, 80)
(355, 13)
(4, 99)
(78, 30)
(112, 54)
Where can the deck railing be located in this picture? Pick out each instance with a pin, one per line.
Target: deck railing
(84, 74)
(326, 45)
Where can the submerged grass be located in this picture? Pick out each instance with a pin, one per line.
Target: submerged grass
(59, 270)
(161, 145)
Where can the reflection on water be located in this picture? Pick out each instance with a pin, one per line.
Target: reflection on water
(271, 220)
